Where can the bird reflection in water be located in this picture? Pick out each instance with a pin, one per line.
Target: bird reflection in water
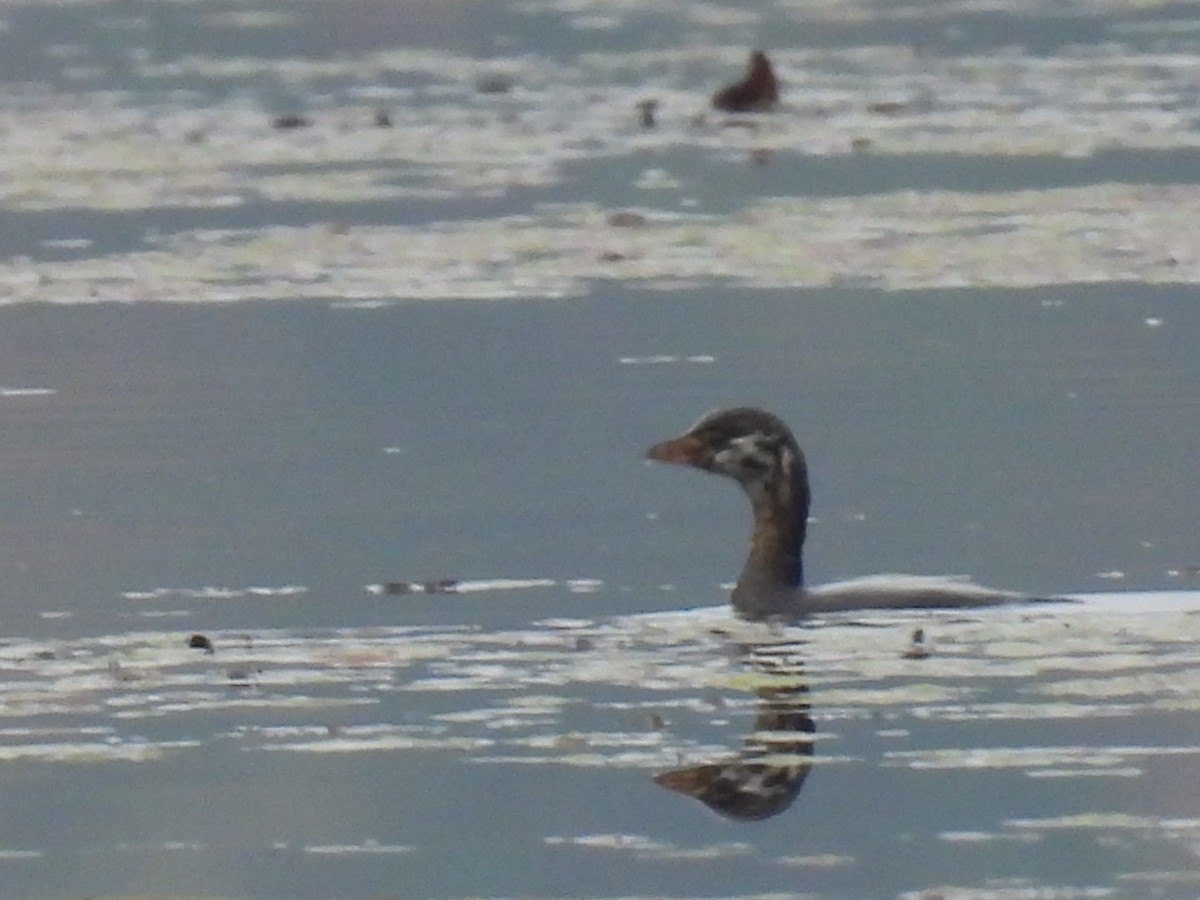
(767, 775)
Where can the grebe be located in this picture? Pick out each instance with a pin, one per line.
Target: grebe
(759, 452)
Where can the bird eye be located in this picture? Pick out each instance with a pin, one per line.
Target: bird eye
(750, 453)
(754, 464)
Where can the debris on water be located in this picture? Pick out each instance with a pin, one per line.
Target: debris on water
(383, 118)
(495, 83)
(887, 108)
(459, 586)
(200, 642)
(243, 677)
(288, 121)
(441, 586)
(758, 91)
(917, 647)
(647, 109)
(652, 721)
(626, 219)
(1184, 572)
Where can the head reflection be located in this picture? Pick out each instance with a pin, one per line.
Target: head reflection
(766, 776)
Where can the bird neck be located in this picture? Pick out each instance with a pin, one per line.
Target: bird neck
(774, 570)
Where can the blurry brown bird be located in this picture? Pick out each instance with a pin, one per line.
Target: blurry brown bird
(757, 92)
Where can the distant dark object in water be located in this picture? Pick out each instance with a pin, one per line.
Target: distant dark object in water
(442, 586)
(383, 118)
(612, 256)
(626, 219)
(917, 648)
(290, 121)
(861, 145)
(200, 642)
(496, 83)
(887, 108)
(653, 722)
(648, 108)
(757, 92)
(243, 677)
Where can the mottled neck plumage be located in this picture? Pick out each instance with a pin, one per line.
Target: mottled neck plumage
(773, 575)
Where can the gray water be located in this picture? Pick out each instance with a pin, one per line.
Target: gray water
(248, 375)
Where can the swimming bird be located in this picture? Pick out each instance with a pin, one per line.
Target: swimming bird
(758, 451)
(758, 91)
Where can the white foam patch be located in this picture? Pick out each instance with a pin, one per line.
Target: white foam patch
(502, 584)
(216, 593)
(381, 744)
(643, 847)
(367, 847)
(93, 149)
(1135, 603)
(362, 304)
(512, 696)
(455, 586)
(68, 243)
(662, 359)
(82, 752)
(20, 854)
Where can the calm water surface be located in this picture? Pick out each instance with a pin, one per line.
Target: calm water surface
(436, 359)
